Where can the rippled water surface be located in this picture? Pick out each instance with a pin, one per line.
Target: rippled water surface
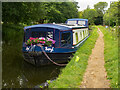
(19, 74)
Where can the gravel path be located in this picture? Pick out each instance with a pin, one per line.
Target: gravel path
(95, 75)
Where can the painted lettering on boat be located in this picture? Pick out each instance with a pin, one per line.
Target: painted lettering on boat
(51, 49)
(27, 48)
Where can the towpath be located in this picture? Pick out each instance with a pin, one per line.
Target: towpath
(95, 75)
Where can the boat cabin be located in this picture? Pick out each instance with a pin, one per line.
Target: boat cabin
(65, 35)
(62, 35)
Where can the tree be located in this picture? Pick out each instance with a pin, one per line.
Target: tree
(22, 12)
(80, 14)
(90, 14)
(61, 11)
(112, 14)
(100, 8)
(27, 12)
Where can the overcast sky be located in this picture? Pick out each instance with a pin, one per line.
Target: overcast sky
(83, 3)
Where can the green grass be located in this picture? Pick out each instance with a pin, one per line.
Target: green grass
(111, 56)
(72, 75)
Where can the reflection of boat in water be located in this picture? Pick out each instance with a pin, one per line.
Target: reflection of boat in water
(58, 41)
(35, 76)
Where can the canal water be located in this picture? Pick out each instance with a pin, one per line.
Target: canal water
(19, 74)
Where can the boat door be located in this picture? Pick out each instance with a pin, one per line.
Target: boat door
(66, 39)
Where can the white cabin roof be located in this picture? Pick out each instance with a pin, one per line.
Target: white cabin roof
(70, 26)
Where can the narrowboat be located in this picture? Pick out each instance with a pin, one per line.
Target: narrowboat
(53, 41)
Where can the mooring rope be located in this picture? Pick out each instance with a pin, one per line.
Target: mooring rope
(32, 48)
(49, 57)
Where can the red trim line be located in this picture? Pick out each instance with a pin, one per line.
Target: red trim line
(54, 34)
(79, 28)
(65, 30)
(59, 39)
(63, 47)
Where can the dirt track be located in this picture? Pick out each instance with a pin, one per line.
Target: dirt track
(95, 75)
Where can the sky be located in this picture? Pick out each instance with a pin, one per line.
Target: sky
(84, 3)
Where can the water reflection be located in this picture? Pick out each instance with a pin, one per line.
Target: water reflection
(19, 74)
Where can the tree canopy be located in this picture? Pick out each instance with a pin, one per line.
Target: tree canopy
(58, 12)
(90, 14)
(100, 8)
(94, 16)
(112, 14)
(27, 12)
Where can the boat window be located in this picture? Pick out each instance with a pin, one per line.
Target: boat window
(83, 34)
(81, 23)
(65, 39)
(38, 34)
(71, 22)
(76, 34)
(87, 32)
(47, 35)
(80, 35)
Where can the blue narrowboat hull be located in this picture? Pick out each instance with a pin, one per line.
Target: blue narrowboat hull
(35, 55)
(38, 59)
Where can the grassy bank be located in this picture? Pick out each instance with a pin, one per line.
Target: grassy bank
(72, 75)
(111, 56)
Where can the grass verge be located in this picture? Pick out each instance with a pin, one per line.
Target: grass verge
(72, 75)
(111, 56)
